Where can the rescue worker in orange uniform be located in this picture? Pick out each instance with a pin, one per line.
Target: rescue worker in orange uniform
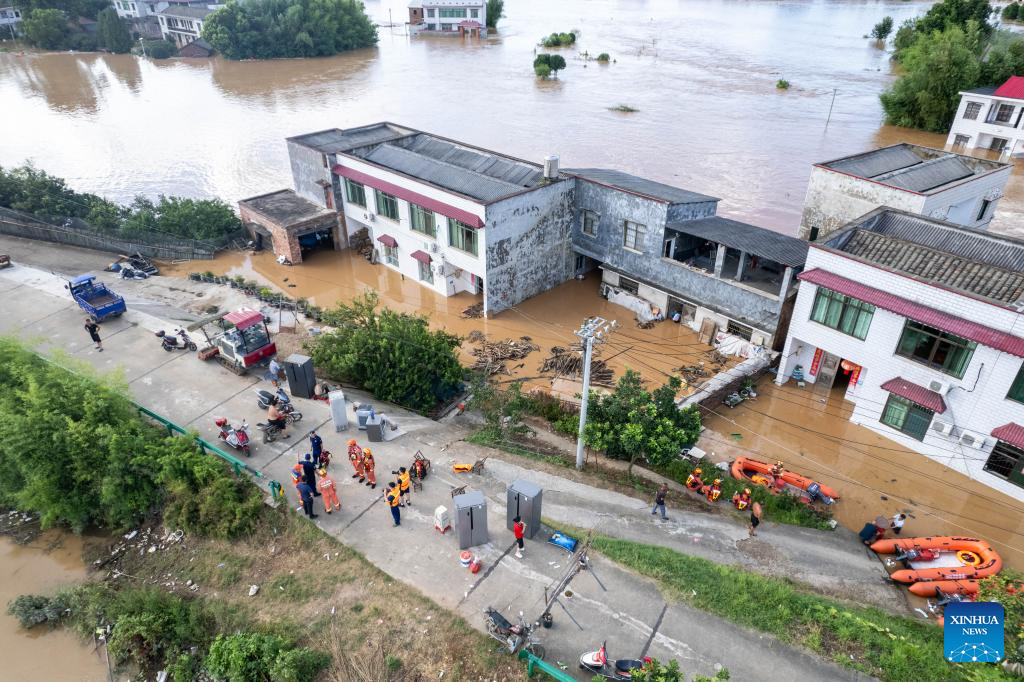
(693, 481)
(297, 475)
(714, 490)
(777, 469)
(325, 484)
(355, 455)
(368, 464)
(742, 500)
(404, 485)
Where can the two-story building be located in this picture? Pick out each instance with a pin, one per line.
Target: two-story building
(990, 118)
(182, 24)
(920, 324)
(930, 182)
(450, 17)
(10, 17)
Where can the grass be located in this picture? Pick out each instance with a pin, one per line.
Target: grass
(888, 647)
(782, 84)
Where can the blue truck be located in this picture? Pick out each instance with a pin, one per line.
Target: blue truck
(95, 298)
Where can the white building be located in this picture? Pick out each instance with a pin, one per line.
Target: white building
(930, 182)
(919, 324)
(10, 17)
(182, 24)
(139, 9)
(449, 16)
(991, 118)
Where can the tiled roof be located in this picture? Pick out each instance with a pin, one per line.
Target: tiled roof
(915, 394)
(982, 264)
(754, 240)
(491, 164)
(974, 331)
(337, 140)
(638, 185)
(912, 168)
(1013, 88)
(1011, 433)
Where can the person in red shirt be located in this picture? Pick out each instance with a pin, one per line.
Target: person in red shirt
(518, 528)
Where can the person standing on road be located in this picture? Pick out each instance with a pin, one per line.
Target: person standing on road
(274, 372)
(94, 333)
(316, 445)
(368, 465)
(659, 501)
(394, 498)
(755, 519)
(897, 523)
(306, 494)
(325, 484)
(518, 530)
(309, 472)
(404, 487)
(355, 455)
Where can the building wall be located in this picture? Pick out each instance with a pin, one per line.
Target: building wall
(308, 171)
(977, 402)
(960, 204)
(431, 15)
(834, 199)
(529, 249)
(980, 132)
(9, 16)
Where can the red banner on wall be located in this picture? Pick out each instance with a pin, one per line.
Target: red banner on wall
(816, 362)
(855, 375)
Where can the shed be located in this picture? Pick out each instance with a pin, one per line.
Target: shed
(197, 49)
(286, 218)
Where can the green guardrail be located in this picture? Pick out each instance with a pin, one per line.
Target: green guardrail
(534, 664)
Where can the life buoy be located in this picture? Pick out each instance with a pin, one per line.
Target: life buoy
(968, 558)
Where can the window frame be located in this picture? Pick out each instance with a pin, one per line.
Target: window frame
(418, 213)
(1008, 108)
(585, 214)
(464, 231)
(1017, 386)
(972, 110)
(960, 141)
(639, 232)
(938, 337)
(846, 304)
(351, 187)
(382, 201)
(633, 287)
(983, 211)
(895, 403)
(391, 255)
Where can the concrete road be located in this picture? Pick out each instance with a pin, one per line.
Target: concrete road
(623, 609)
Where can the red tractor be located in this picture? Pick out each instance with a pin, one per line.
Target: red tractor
(241, 342)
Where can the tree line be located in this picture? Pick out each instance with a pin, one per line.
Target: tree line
(30, 190)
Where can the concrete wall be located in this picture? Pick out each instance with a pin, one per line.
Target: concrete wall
(980, 132)
(834, 199)
(308, 172)
(960, 204)
(529, 248)
(977, 402)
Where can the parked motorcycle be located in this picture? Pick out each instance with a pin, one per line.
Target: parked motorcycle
(180, 341)
(264, 398)
(513, 637)
(597, 663)
(131, 273)
(271, 432)
(236, 438)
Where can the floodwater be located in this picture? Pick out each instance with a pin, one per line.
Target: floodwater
(874, 475)
(701, 73)
(53, 560)
(327, 277)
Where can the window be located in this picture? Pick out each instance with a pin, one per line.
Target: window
(905, 416)
(422, 220)
(474, 13)
(740, 330)
(842, 313)
(426, 274)
(461, 236)
(985, 203)
(391, 255)
(355, 193)
(945, 352)
(323, 157)
(452, 12)
(1004, 113)
(998, 144)
(387, 205)
(589, 220)
(431, 27)
(1017, 387)
(972, 110)
(1005, 461)
(633, 235)
(960, 141)
(430, 13)
(630, 285)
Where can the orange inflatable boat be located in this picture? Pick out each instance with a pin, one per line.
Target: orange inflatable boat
(927, 588)
(760, 473)
(959, 558)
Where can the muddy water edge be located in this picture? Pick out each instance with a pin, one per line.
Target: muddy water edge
(50, 561)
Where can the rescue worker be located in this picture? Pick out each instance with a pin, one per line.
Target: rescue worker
(714, 490)
(309, 472)
(777, 469)
(305, 491)
(316, 445)
(296, 480)
(325, 484)
(404, 487)
(693, 481)
(742, 500)
(355, 455)
(394, 499)
(368, 464)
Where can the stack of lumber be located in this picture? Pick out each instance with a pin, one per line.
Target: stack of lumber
(491, 356)
(568, 362)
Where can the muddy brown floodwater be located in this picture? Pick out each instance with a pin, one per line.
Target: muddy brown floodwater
(701, 74)
(52, 560)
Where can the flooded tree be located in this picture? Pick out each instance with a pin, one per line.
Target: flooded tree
(882, 29)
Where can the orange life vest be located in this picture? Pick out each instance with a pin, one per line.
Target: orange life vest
(394, 497)
(403, 481)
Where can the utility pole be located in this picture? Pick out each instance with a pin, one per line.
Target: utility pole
(593, 328)
(832, 104)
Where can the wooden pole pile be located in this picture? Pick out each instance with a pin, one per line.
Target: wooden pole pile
(568, 362)
(491, 356)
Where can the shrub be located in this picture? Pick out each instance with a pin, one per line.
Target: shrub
(559, 40)
(604, 57)
(253, 657)
(159, 49)
(32, 610)
(782, 84)
(495, 11)
(82, 42)
(1011, 12)
(882, 29)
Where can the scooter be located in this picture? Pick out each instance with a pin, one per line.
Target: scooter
(264, 398)
(733, 399)
(236, 438)
(596, 662)
(130, 273)
(512, 637)
(169, 343)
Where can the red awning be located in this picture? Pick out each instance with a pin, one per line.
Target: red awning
(244, 318)
(915, 394)
(444, 209)
(986, 336)
(387, 240)
(1010, 433)
(469, 23)
(421, 256)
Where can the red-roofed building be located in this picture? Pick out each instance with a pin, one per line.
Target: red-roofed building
(991, 118)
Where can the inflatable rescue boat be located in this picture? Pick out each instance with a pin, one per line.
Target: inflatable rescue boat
(953, 559)
(760, 473)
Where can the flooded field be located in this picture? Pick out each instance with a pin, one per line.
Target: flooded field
(873, 474)
(52, 560)
(701, 74)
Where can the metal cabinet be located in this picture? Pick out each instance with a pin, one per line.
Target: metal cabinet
(301, 379)
(470, 519)
(524, 500)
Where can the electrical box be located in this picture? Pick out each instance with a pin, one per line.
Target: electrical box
(470, 519)
(339, 410)
(363, 414)
(524, 500)
(301, 379)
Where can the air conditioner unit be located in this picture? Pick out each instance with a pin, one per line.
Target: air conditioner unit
(940, 387)
(439, 269)
(945, 428)
(433, 247)
(972, 440)
(368, 217)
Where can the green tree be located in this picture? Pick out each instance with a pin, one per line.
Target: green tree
(194, 218)
(45, 28)
(495, 11)
(395, 356)
(557, 63)
(71, 8)
(159, 49)
(882, 29)
(1011, 12)
(936, 68)
(1002, 62)
(112, 33)
(632, 424)
(905, 37)
(957, 13)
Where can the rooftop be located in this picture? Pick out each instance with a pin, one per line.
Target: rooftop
(1013, 88)
(449, 3)
(642, 186)
(752, 239)
(285, 208)
(335, 140)
(913, 168)
(187, 12)
(982, 264)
